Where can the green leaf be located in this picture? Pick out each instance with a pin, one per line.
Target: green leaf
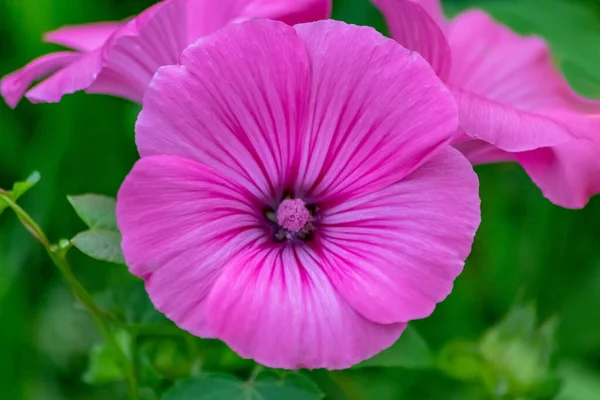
(410, 351)
(464, 361)
(266, 387)
(512, 359)
(163, 357)
(97, 211)
(100, 244)
(130, 303)
(19, 188)
(581, 382)
(105, 365)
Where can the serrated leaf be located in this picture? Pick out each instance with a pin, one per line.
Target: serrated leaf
(97, 211)
(410, 351)
(100, 244)
(216, 386)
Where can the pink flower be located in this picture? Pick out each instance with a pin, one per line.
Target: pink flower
(297, 196)
(513, 104)
(119, 58)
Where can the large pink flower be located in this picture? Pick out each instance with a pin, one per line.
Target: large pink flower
(120, 58)
(297, 196)
(513, 104)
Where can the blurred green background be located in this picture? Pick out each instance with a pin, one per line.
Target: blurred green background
(526, 250)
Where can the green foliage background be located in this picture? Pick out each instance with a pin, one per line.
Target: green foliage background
(526, 248)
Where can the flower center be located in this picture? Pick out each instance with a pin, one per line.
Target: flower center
(292, 215)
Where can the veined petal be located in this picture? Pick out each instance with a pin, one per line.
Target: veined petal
(181, 222)
(507, 127)
(85, 37)
(291, 12)
(76, 76)
(206, 16)
(377, 111)
(393, 254)
(507, 87)
(14, 85)
(413, 27)
(236, 104)
(277, 306)
(136, 51)
(568, 174)
(434, 9)
(480, 152)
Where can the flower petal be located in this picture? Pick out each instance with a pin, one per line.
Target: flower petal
(507, 127)
(236, 104)
(434, 9)
(377, 111)
(480, 152)
(568, 174)
(181, 222)
(291, 12)
(207, 16)
(394, 253)
(74, 77)
(87, 37)
(276, 305)
(14, 85)
(507, 86)
(136, 51)
(414, 28)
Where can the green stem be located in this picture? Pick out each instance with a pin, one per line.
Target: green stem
(58, 255)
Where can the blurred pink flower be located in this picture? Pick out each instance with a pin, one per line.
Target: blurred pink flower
(119, 58)
(297, 196)
(513, 103)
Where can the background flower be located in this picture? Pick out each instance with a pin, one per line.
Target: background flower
(513, 103)
(119, 58)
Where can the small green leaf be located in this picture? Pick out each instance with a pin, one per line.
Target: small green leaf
(266, 387)
(19, 188)
(410, 351)
(100, 244)
(97, 211)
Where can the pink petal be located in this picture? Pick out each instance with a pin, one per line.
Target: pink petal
(181, 222)
(291, 12)
(14, 85)
(277, 306)
(414, 28)
(393, 254)
(377, 111)
(74, 77)
(236, 104)
(84, 38)
(567, 174)
(480, 152)
(504, 84)
(506, 127)
(136, 51)
(434, 9)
